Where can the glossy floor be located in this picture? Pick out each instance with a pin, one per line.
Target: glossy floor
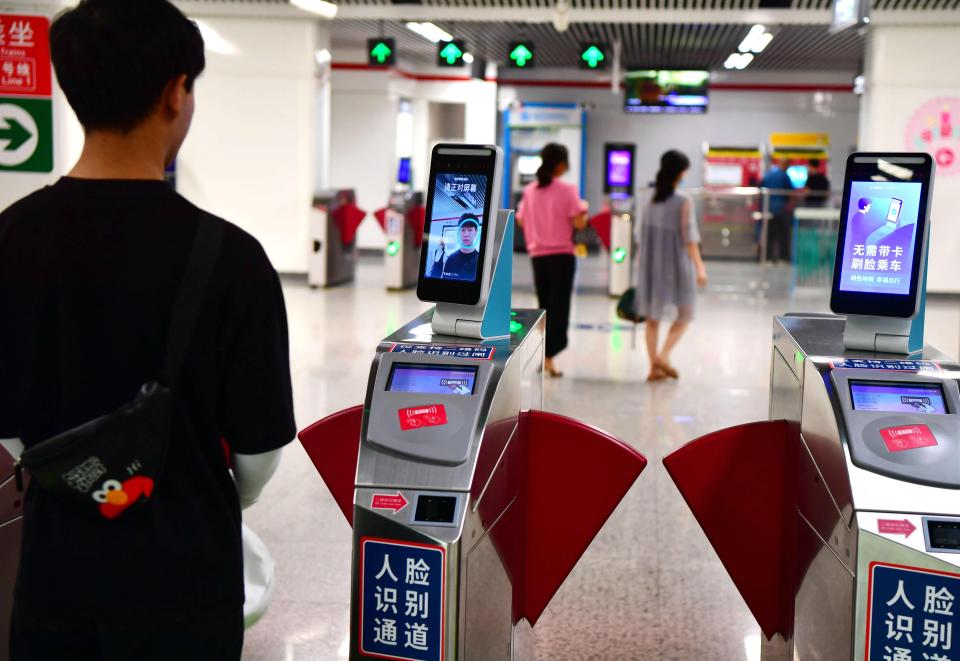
(650, 586)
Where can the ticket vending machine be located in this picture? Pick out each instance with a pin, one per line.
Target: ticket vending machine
(448, 471)
(402, 224)
(839, 519)
(11, 524)
(334, 220)
(615, 222)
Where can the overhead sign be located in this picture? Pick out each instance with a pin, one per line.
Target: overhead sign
(450, 53)
(26, 109)
(521, 55)
(911, 613)
(594, 55)
(820, 140)
(402, 609)
(381, 52)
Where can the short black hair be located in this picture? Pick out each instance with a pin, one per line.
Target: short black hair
(470, 218)
(113, 58)
(814, 162)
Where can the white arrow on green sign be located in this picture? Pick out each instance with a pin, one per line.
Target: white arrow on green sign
(26, 134)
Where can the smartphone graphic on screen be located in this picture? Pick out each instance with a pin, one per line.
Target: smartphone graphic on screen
(893, 213)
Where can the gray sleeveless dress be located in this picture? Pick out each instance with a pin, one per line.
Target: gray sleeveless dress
(665, 276)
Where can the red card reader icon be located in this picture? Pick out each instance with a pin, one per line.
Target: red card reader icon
(417, 417)
(910, 437)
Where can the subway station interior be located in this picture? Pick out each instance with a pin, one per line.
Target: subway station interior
(480, 213)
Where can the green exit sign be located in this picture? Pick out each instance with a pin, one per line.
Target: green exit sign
(381, 52)
(594, 55)
(450, 53)
(521, 55)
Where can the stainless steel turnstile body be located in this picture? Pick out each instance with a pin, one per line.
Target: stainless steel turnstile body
(847, 504)
(402, 252)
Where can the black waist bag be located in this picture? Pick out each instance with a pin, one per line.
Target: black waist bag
(108, 465)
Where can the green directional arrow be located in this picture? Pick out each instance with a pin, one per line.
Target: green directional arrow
(451, 53)
(593, 56)
(521, 55)
(381, 52)
(14, 134)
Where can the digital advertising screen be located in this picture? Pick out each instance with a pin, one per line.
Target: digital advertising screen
(666, 91)
(881, 231)
(798, 175)
(897, 397)
(619, 167)
(456, 226)
(432, 379)
(403, 171)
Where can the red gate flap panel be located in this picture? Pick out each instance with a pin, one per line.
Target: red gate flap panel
(601, 225)
(333, 445)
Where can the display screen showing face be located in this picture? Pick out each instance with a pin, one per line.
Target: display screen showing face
(881, 230)
(618, 167)
(432, 379)
(897, 398)
(456, 227)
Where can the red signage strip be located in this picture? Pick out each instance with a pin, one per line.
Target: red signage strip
(911, 437)
(430, 415)
(895, 527)
(389, 501)
(25, 55)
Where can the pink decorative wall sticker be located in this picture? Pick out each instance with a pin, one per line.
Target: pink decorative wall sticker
(935, 129)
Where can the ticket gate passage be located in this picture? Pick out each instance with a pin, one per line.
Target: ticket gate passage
(448, 474)
(11, 524)
(402, 221)
(839, 519)
(614, 224)
(334, 221)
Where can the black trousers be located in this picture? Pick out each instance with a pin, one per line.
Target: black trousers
(553, 278)
(190, 635)
(779, 235)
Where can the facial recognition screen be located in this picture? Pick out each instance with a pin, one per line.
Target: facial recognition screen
(432, 379)
(619, 170)
(897, 397)
(456, 226)
(881, 230)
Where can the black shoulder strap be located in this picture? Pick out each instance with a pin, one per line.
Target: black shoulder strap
(193, 289)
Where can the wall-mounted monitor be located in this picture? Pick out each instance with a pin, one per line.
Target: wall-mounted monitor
(403, 171)
(661, 91)
(618, 173)
(798, 175)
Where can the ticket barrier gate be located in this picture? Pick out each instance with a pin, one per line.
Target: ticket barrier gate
(457, 532)
(839, 519)
(402, 221)
(11, 525)
(614, 226)
(334, 221)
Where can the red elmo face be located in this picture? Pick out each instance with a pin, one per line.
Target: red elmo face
(118, 500)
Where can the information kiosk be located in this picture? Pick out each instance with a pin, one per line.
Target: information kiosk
(448, 471)
(334, 221)
(839, 519)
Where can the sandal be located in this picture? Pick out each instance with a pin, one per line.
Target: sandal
(656, 374)
(667, 369)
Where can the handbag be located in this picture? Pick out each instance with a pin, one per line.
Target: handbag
(627, 307)
(108, 465)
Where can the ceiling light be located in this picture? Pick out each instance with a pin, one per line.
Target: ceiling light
(430, 31)
(468, 58)
(320, 7)
(756, 40)
(738, 61)
(213, 41)
(323, 56)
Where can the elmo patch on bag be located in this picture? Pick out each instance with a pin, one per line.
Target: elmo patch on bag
(115, 497)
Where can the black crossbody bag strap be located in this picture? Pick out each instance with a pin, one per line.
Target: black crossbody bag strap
(193, 289)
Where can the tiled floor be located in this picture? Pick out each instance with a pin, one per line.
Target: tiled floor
(650, 586)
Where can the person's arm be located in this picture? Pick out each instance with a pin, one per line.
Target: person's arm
(577, 209)
(252, 472)
(691, 239)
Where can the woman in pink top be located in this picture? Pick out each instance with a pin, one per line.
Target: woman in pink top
(549, 213)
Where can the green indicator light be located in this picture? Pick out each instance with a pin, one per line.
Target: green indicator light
(515, 327)
(513, 313)
(619, 255)
(381, 52)
(393, 248)
(593, 56)
(451, 53)
(798, 359)
(521, 55)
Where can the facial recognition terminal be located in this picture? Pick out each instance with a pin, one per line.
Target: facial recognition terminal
(880, 268)
(618, 175)
(461, 219)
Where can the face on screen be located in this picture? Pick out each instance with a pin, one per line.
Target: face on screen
(456, 226)
(880, 237)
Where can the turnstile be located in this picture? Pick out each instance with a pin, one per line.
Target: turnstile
(448, 474)
(11, 525)
(839, 520)
(402, 221)
(614, 226)
(334, 221)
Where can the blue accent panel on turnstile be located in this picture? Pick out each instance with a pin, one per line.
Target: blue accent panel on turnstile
(507, 181)
(915, 341)
(496, 316)
(401, 606)
(913, 613)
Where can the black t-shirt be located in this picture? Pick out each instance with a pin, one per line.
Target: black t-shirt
(458, 266)
(89, 270)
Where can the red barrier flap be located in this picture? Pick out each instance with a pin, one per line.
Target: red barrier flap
(601, 225)
(333, 445)
(415, 219)
(381, 216)
(734, 482)
(595, 470)
(348, 218)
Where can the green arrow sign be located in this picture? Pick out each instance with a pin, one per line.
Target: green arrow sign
(521, 55)
(26, 134)
(451, 52)
(593, 56)
(14, 134)
(381, 52)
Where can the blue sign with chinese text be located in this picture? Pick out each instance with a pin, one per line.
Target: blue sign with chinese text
(470, 353)
(401, 600)
(912, 614)
(894, 365)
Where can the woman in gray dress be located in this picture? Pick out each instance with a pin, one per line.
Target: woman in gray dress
(669, 264)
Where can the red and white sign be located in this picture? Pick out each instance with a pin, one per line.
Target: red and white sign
(910, 437)
(389, 501)
(895, 527)
(417, 417)
(24, 55)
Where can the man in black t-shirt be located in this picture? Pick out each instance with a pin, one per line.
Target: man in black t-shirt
(462, 264)
(818, 186)
(89, 270)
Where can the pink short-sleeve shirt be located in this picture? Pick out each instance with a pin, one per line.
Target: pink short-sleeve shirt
(547, 215)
